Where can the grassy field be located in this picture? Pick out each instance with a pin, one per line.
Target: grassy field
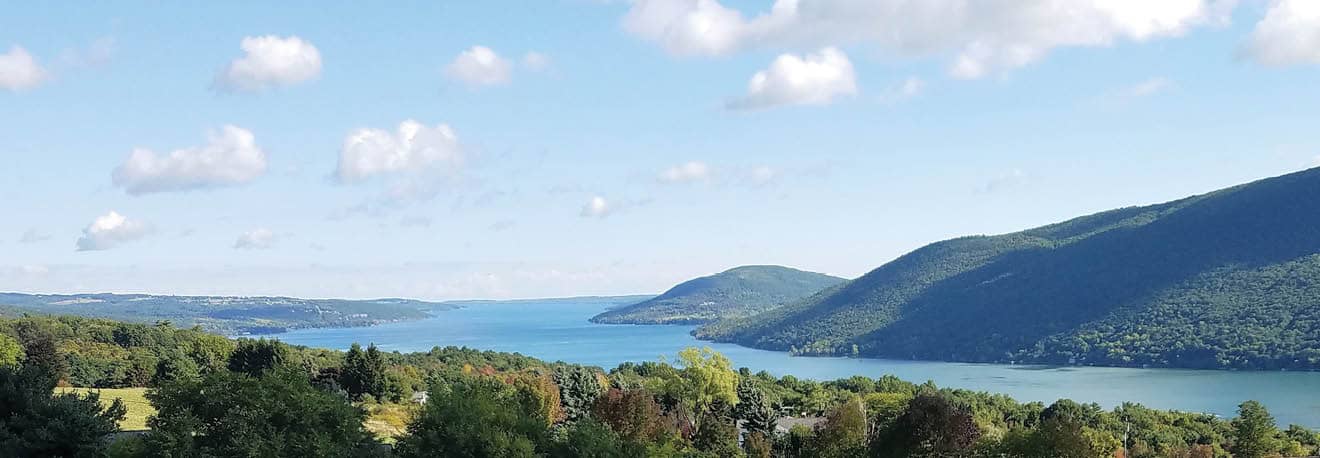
(138, 407)
(386, 421)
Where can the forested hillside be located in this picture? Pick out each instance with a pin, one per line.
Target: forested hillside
(1229, 279)
(225, 314)
(736, 292)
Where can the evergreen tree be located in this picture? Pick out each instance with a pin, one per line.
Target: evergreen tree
(753, 409)
(1253, 431)
(36, 422)
(254, 357)
(578, 390)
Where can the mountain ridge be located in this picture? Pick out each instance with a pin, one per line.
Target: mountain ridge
(734, 292)
(1185, 283)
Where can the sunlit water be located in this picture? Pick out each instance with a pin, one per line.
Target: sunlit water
(560, 331)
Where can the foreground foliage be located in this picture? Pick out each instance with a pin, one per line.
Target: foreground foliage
(265, 398)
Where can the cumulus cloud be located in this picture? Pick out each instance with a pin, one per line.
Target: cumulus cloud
(19, 71)
(1289, 34)
(110, 230)
(813, 79)
(480, 66)
(689, 172)
(597, 207)
(229, 157)
(256, 239)
(270, 61)
(411, 148)
(981, 37)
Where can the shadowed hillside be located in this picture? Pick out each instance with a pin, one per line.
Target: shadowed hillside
(1226, 279)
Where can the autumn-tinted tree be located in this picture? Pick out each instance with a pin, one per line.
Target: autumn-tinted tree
(931, 426)
(633, 414)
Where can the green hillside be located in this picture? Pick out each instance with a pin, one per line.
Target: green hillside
(223, 314)
(735, 292)
(1229, 279)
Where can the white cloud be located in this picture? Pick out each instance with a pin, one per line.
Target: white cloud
(688, 27)
(813, 79)
(1150, 87)
(480, 66)
(536, 61)
(270, 61)
(981, 37)
(96, 54)
(412, 148)
(19, 71)
(909, 88)
(1128, 94)
(688, 172)
(597, 207)
(762, 175)
(33, 236)
(230, 157)
(110, 230)
(256, 239)
(1288, 35)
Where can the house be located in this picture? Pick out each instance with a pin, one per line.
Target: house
(419, 397)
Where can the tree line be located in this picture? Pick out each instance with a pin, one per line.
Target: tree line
(266, 398)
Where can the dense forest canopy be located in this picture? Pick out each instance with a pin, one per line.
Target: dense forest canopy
(220, 397)
(737, 292)
(1229, 279)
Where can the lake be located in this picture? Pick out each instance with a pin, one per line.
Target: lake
(559, 330)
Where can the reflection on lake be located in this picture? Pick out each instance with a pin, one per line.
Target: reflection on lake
(558, 330)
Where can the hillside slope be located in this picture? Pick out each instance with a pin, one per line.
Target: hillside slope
(223, 314)
(1229, 279)
(735, 292)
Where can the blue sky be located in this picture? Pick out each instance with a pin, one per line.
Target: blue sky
(609, 147)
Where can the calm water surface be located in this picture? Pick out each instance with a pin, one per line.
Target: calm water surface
(558, 330)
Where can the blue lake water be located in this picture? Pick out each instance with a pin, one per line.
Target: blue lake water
(559, 330)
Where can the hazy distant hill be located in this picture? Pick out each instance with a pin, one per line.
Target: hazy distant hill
(735, 292)
(224, 314)
(1229, 279)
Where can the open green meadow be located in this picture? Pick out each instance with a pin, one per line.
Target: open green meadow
(134, 399)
